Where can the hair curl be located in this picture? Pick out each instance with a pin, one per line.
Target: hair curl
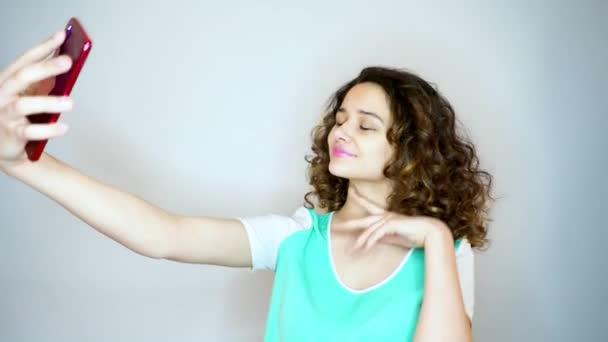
(435, 170)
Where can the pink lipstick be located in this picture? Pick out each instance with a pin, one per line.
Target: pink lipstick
(341, 152)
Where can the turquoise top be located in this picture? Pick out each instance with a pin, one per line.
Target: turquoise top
(310, 303)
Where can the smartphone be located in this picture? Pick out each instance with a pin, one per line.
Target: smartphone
(77, 45)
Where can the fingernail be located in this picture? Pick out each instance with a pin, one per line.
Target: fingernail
(62, 128)
(66, 102)
(57, 36)
(62, 62)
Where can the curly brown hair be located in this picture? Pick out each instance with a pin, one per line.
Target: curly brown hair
(435, 169)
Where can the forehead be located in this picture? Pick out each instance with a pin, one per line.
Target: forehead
(369, 97)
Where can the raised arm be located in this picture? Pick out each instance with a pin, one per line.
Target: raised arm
(131, 221)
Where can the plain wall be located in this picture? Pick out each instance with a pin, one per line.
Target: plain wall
(206, 108)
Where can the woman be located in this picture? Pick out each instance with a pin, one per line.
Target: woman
(389, 260)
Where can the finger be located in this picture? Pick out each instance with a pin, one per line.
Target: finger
(23, 78)
(367, 204)
(376, 235)
(361, 223)
(41, 131)
(28, 105)
(394, 239)
(364, 237)
(35, 54)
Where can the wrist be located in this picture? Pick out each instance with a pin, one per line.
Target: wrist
(11, 168)
(6, 166)
(439, 232)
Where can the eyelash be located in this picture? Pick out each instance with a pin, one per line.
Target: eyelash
(362, 128)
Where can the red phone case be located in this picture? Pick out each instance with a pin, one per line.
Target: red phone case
(77, 45)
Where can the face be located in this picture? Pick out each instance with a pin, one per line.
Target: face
(358, 146)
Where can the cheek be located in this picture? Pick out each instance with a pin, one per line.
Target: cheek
(376, 150)
(384, 151)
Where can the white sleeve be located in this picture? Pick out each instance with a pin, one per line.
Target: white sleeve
(266, 233)
(465, 263)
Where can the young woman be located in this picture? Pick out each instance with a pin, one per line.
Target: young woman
(388, 255)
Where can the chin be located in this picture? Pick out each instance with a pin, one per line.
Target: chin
(337, 170)
(343, 170)
(352, 172)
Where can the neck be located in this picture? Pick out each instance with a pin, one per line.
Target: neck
(376, 192)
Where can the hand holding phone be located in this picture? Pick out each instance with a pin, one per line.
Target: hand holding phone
(24, 84)
(77, 45)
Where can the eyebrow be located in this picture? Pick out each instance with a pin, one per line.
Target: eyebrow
(364, 112)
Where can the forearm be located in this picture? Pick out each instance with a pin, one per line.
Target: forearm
(131, 221)
(442, 316)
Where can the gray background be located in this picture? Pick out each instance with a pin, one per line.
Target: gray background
(205, 108)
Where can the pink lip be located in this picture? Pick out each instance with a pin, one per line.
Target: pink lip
(340, 152)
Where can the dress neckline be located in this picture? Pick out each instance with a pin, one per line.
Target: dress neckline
(372, 287)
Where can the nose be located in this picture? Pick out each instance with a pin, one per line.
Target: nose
(342, 132)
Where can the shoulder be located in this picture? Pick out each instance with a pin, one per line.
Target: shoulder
(266, 233)
(304, 217)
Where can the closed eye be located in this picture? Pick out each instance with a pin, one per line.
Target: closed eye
(361, 127)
